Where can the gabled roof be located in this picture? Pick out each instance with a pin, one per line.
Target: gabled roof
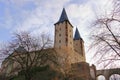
(63, 16)
(77, 35)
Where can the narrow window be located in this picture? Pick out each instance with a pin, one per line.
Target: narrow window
(66, 34)
(59, 41)
(66, 27)
(59, 34)
(66, 40)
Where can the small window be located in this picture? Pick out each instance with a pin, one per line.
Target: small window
(66, 40)
(59, 34)
(66, 27)
(66, 34)
(59, 41)
(60, 28)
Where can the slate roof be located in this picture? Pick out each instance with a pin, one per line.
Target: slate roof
(77, 35)
(63, 16)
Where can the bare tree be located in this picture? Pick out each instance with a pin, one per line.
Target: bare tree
(106, 36)
(26, 52)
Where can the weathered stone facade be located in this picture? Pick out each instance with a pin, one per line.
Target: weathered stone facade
(80, 71)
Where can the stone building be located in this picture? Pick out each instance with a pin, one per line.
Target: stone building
(72, 52)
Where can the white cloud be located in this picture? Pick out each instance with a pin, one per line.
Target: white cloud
(19, 3)
(102, 6)
(43, 17)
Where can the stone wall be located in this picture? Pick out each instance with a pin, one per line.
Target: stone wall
(80, 71)
(63, 35)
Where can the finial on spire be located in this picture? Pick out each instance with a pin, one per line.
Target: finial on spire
(77, 35)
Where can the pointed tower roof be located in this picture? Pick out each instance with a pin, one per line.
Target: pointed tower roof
(63, 16)
(77, 35)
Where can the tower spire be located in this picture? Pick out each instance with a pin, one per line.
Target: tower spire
(63, 16)
(77, 35)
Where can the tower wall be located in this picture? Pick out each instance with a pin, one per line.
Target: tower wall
(63, 36)
(79, 47)
(70, 36)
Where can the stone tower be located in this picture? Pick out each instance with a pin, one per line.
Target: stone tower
(63, 33)
(78, 43)
(71, 49)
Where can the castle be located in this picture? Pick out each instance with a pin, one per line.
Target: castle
(71, 50)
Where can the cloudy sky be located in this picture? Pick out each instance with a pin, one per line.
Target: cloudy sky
(38, 16)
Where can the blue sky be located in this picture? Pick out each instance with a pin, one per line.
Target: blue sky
(38, 16)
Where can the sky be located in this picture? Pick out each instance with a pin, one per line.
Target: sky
(39, 16)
